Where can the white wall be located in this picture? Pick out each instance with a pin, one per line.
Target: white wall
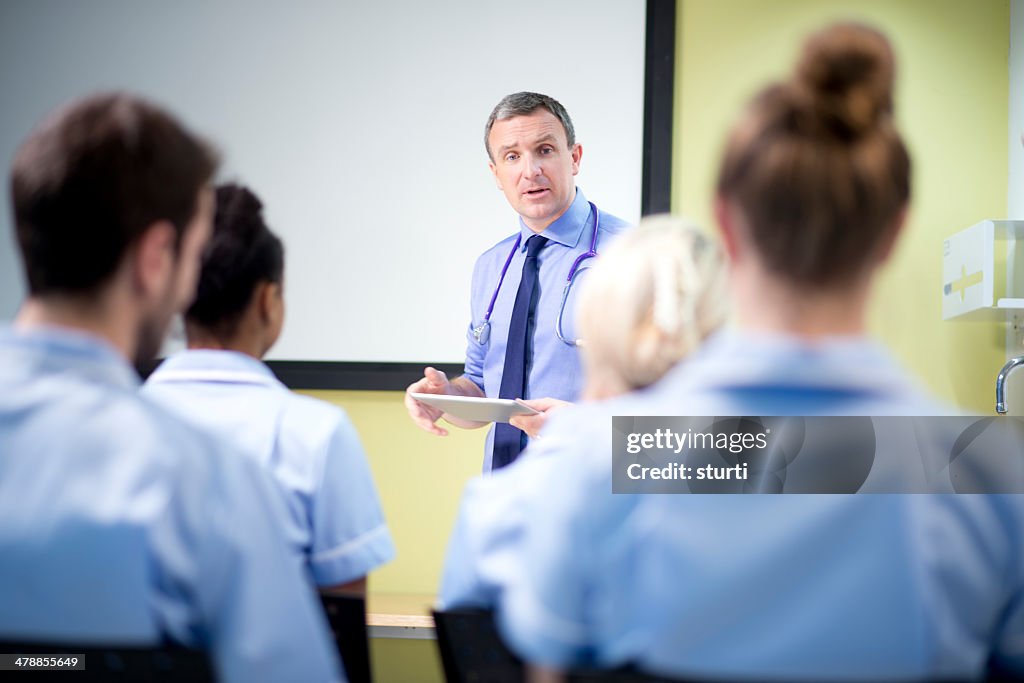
(359, 124)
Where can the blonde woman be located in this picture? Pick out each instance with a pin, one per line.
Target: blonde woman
(654, 295)
(649, 301)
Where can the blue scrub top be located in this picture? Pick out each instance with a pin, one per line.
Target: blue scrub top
(122, 524)
(310, 446)
(554, 370)
(866, 586)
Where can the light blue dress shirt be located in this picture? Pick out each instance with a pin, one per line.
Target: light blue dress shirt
(554, 369)
(122, 524)
(788, 587)
(310, 446)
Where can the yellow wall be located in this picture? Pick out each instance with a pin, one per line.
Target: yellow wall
(952, 109)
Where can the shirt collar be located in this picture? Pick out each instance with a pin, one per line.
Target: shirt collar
(227, 366)
(567, 229)
(53, 348)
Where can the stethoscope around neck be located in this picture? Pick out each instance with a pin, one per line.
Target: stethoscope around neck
(482, 332)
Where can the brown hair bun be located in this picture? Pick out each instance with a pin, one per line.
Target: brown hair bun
(846, 71)
(815, 164)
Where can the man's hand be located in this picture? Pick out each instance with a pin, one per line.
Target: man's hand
(425, 417)
(435, 382)
(532, 424)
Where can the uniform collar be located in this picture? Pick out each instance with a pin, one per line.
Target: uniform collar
(53, 348)
(216, 366)
(739, 359)
(567, 229)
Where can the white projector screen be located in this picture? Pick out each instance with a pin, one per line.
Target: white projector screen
(360, 125)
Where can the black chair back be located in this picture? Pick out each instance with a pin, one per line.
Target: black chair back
(471, 649)
(116, 664)
(347, 616)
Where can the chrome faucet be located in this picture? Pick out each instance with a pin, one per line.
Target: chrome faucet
(1001, 383)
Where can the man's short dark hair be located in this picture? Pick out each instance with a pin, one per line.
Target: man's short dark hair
(524, 104)
(242, 253)
(92, 178)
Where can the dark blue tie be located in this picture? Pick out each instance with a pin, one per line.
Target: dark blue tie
(509, 441)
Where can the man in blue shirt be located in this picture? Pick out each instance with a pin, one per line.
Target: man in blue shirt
(122, 525)
(520, 341)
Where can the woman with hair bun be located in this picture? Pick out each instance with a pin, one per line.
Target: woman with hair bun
(812, 193)
(813, 190)
(219, 383)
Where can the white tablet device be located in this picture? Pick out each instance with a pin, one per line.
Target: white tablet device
(476, 409)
